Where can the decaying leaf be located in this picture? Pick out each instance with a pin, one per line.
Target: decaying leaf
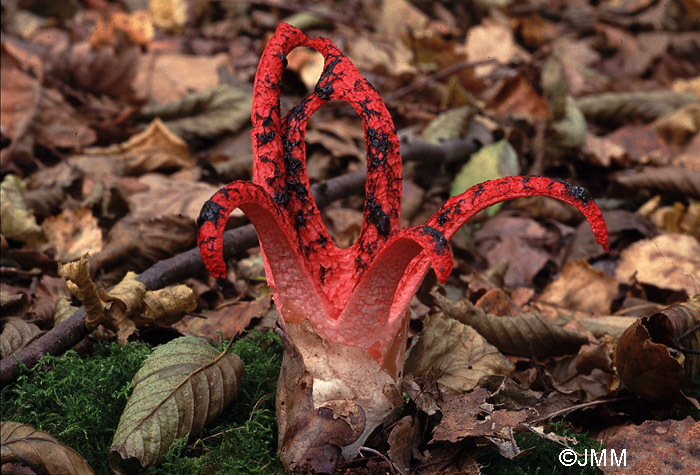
(672, 180)
(229, 319)
(461, 354)
(581, 288)
(181, 387)
(165, 306)
(207, 113)
(156, 148)
(469, 415)
(13, 304)
(34, 114)
(655, 447)
(82, 286)
(524, 334)
(403, 440)
(22, 444)
(159, 200)
(73, 233)
(141, 240)
(16, 334)
(16, 218)
(657, 355)
(164, 77)
(128, 304)
(668, 261)
(622, 107)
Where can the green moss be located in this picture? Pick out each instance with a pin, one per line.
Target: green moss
(77, 400)
(544, 458)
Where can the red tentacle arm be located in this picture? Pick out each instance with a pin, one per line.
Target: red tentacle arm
(297, 293)
(459, 209)
(364, 320)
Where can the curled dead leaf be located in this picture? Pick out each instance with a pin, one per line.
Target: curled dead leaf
(81, 285)
(16, 334)
(23, 444)
(657, 355)
(16, 219)
(166, 306)
(156, 148)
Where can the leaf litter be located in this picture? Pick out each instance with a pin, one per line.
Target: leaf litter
(613, 108)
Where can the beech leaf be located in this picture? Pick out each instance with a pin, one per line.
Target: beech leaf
(224, 108)
(18, 221)
(181, 387)
(458, 351)
(621, 107)
(22, 444)
(518, 335)
(16, 334)
(654, 357)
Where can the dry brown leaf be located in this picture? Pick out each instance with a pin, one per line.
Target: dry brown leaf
(461, 354)
(137, 26)
(139, 241)
(679, 126)
(517, 98)
(81, 285)
(669, 261)
(229, 319)
(604, 152)
(672, 180)
(12, 304)
(403, 440)
(159, 199)
(122, 305)
(166, 306)
(650, 356)
(169, 76)
(73, 233)
(678, 218)
(524, 334)
(16, 218)
(23, 444)
(215, 111)
(104, 64)
(656, 447)
(379, 56)
(156, 148)
(601, 326)
(16, 334)
(38, 114)
(492, 40)
(581, 289)
(588, 375)
(625, 107)
(169, 15)
(516, 240)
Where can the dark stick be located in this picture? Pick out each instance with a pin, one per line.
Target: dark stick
(166, 272)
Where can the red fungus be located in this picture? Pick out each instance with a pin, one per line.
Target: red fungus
(358, 296)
